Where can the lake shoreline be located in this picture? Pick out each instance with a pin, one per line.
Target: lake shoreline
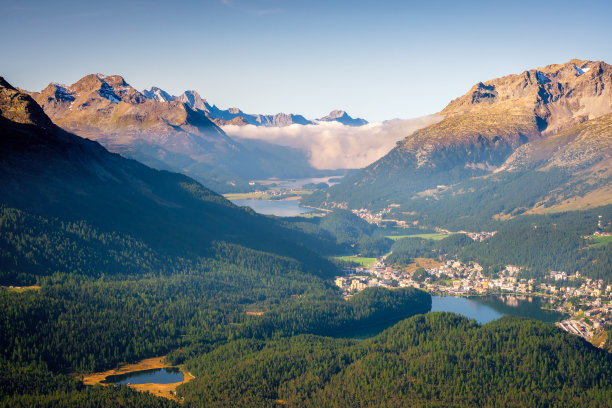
(161, 390)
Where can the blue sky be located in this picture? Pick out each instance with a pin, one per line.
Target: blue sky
(376, 59)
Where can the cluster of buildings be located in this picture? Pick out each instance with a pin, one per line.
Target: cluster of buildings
(375, 217)
(586, 301)
(479, 236)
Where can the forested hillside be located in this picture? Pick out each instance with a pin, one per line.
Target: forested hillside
(435, 360)
(539, 244)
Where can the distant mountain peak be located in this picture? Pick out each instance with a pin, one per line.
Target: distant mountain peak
(335, 114)
(341, 116)
(157, 94)
(113, 80)
(194, 100)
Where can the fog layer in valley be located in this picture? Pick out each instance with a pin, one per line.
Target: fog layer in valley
(332, 145)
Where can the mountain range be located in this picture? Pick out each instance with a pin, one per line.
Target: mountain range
(231, 116)
(546, 129)
(235, 116)
(164, 132)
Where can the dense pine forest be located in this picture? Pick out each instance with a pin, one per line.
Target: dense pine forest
(107, 298)
(433, 360)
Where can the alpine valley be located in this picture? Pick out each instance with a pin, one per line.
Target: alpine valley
(177, 133)
(117, 255)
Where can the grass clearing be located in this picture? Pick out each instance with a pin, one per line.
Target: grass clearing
(365, 262)
(20, 289)
(426, 263)
(600, 339)
(600, 241)
(436, 236)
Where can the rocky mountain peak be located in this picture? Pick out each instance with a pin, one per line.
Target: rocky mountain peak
(113, 80)
(193, 100)
(558, 96)
(335, 114)
(21, 108)
(158, 94)
(110, 87)
(557, 117)
(343, 117)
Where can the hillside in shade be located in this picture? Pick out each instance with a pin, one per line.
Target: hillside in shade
(49, 172)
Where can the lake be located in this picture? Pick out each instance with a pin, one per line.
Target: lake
(166, 375)
(285, 208)
(484, 309)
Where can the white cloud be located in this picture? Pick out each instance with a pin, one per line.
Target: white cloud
(331, 145)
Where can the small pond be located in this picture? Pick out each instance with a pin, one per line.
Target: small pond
(166, 375)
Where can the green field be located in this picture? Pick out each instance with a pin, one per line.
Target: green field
(600, 241)
(365, 262)
(435, 236)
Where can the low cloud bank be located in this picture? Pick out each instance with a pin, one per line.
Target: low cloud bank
(332, 145)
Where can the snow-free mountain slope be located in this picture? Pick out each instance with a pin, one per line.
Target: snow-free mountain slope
(516, 123)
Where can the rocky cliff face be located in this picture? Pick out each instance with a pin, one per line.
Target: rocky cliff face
(20, 108)
(108, 109)
(558, 96)
(578, 148)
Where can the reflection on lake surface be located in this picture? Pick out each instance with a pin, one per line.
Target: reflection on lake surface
(299, 183)
(286, 208)
(484, 309)
(168, 375)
